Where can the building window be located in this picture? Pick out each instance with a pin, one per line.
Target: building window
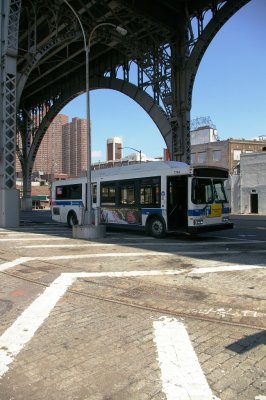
(216, 155)
(202, 157)
(192, 158)
(237, 154)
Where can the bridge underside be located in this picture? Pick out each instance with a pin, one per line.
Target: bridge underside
(43, 67)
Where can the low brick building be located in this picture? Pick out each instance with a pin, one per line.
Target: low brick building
(225, 153)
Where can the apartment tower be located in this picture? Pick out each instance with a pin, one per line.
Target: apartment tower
(49, 156)
(74, 147)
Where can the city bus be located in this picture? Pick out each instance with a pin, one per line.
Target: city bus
(159, 197)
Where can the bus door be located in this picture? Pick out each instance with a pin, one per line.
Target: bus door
(177, 189)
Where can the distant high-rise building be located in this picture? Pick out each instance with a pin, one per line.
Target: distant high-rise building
(63, 149)
(74, 147)
(114, 149)
(49, 156)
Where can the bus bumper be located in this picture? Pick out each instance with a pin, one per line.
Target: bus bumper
(209, 228)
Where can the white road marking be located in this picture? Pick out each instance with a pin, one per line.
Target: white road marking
(21, 260)
(23, 329)
(197, 270)
(17, 335)
(225, 268)
(11, 264)
(154, 243)
(247, 236)
(26, 239)
(182, 376)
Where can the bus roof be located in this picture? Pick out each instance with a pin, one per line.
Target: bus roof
(149, 168)
(142, 170)
(152, 168)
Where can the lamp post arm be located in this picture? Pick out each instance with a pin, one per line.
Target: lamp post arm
(132, 148)
(96, 27)
(80, 23)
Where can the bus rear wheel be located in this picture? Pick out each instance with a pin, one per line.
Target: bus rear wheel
(156, 227)
(72, 219)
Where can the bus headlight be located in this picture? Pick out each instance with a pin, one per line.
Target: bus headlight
(198, 221)
(225, 219)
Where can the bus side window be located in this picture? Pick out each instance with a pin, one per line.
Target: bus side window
(108, 193)
(94, 193)
(150, 192)
(127, 194)
(59, 192)
(72, 192)
(75, 191)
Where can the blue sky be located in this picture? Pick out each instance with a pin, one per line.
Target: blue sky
(230, 88)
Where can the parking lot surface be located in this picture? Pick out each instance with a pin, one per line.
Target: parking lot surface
(132, 317)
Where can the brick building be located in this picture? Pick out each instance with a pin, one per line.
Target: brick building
(74, 147)
(224, 153)
(49, 156)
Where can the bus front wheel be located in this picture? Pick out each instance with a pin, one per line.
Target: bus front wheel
(156, 227)
(72, 219)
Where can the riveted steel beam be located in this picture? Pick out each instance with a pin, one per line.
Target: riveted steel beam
(10, 13)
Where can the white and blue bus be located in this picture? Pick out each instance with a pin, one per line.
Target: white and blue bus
(159, 197)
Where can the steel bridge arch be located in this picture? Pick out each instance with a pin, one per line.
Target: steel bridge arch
(167, 129)
(139, 96)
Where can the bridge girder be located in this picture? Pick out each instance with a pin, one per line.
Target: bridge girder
(163, 41)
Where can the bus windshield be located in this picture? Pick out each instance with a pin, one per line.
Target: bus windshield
(208, 191)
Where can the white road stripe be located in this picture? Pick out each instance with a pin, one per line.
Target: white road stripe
(23, 329)
(182, 376)
(154, 243)
(225, 268)
(17, 335)
(26, 239)
(200, 270)
(11, 264)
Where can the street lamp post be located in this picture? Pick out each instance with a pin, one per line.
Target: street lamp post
(138, 151)
(87, 45)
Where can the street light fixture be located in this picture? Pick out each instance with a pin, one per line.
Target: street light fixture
(138, 151)
(87, 45)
